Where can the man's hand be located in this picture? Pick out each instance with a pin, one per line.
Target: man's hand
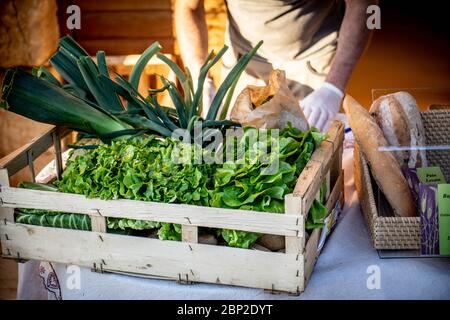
(209, 91)
(322, 105)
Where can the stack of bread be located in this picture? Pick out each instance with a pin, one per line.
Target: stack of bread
(390, 136)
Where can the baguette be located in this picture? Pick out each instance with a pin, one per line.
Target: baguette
(399, 118)
(384, 167)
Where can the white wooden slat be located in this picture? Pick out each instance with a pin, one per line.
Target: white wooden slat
(98, 224)
(270, 223)
(293, 205)
(336, 134)
(327, 183)
(336, 193)
(18, 159)
(324, 155)
(5, 213)
(311, 253)
(151, 257)
(189, 234)
(308, 185)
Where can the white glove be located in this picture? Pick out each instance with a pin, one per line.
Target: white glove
(322, 105)
(209, 91)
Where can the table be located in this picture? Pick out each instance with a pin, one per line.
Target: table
(348, 268)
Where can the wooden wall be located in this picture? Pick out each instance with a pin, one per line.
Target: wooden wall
(121, 27)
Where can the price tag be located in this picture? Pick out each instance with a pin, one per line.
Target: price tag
(431, 175)
(444, 218)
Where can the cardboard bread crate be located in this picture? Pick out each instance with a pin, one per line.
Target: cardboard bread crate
(186, 261)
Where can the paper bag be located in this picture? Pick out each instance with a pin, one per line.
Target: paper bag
(272, 106)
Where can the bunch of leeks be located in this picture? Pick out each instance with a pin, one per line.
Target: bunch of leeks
(94, 103)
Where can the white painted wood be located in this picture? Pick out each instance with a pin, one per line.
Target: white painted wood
(327, 183)
(151, 257)
(279, 224)
(336, 134)
(296, 245)
(324, 155)
(336, 193)
(308, 185)
(184, 261)
(293, 205)
(311, 253)
(189, 234)
(98, 224)
(18, 159)
(6, 214)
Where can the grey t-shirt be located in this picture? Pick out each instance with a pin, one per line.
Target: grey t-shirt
(291, 29)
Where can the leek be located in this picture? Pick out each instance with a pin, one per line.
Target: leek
(91, 101)
(45, 102)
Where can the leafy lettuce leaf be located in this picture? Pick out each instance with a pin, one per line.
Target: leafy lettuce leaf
(261, 181)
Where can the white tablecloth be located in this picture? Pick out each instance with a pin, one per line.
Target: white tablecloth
(348, 268)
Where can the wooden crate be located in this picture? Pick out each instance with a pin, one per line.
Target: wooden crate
(186, 261)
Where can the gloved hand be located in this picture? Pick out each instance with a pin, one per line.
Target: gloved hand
(322, 105)
(209, 91)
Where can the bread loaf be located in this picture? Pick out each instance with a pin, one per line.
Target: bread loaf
(384, 167)
(399, 118)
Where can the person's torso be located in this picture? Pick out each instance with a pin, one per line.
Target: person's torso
(291, 29)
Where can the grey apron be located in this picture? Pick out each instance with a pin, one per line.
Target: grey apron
(300, 37)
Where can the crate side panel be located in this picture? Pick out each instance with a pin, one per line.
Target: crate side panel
(280, 224)
(151, 257)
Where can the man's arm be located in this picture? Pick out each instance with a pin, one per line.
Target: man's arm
(192, 33)
(322, 105)
(353, 37)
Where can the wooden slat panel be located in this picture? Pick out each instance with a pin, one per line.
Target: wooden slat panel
(189, 234)
(292, 205)
(6, 214)
(18, 159)
(308, 184)
(324, 155)
(336, 193)
(336, 134)
(125, 46)
(169, 259)
(122, 5)
(280, 224)
(311, 253)
(98, 224)
(129, 25)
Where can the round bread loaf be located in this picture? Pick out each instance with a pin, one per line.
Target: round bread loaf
(399, 118)
(383, 165)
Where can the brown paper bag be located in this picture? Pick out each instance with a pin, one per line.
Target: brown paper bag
(269, 107)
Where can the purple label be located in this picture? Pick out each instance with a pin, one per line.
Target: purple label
(429, 219)
(413, 181)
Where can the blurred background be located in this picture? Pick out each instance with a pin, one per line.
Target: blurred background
(411, 50)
